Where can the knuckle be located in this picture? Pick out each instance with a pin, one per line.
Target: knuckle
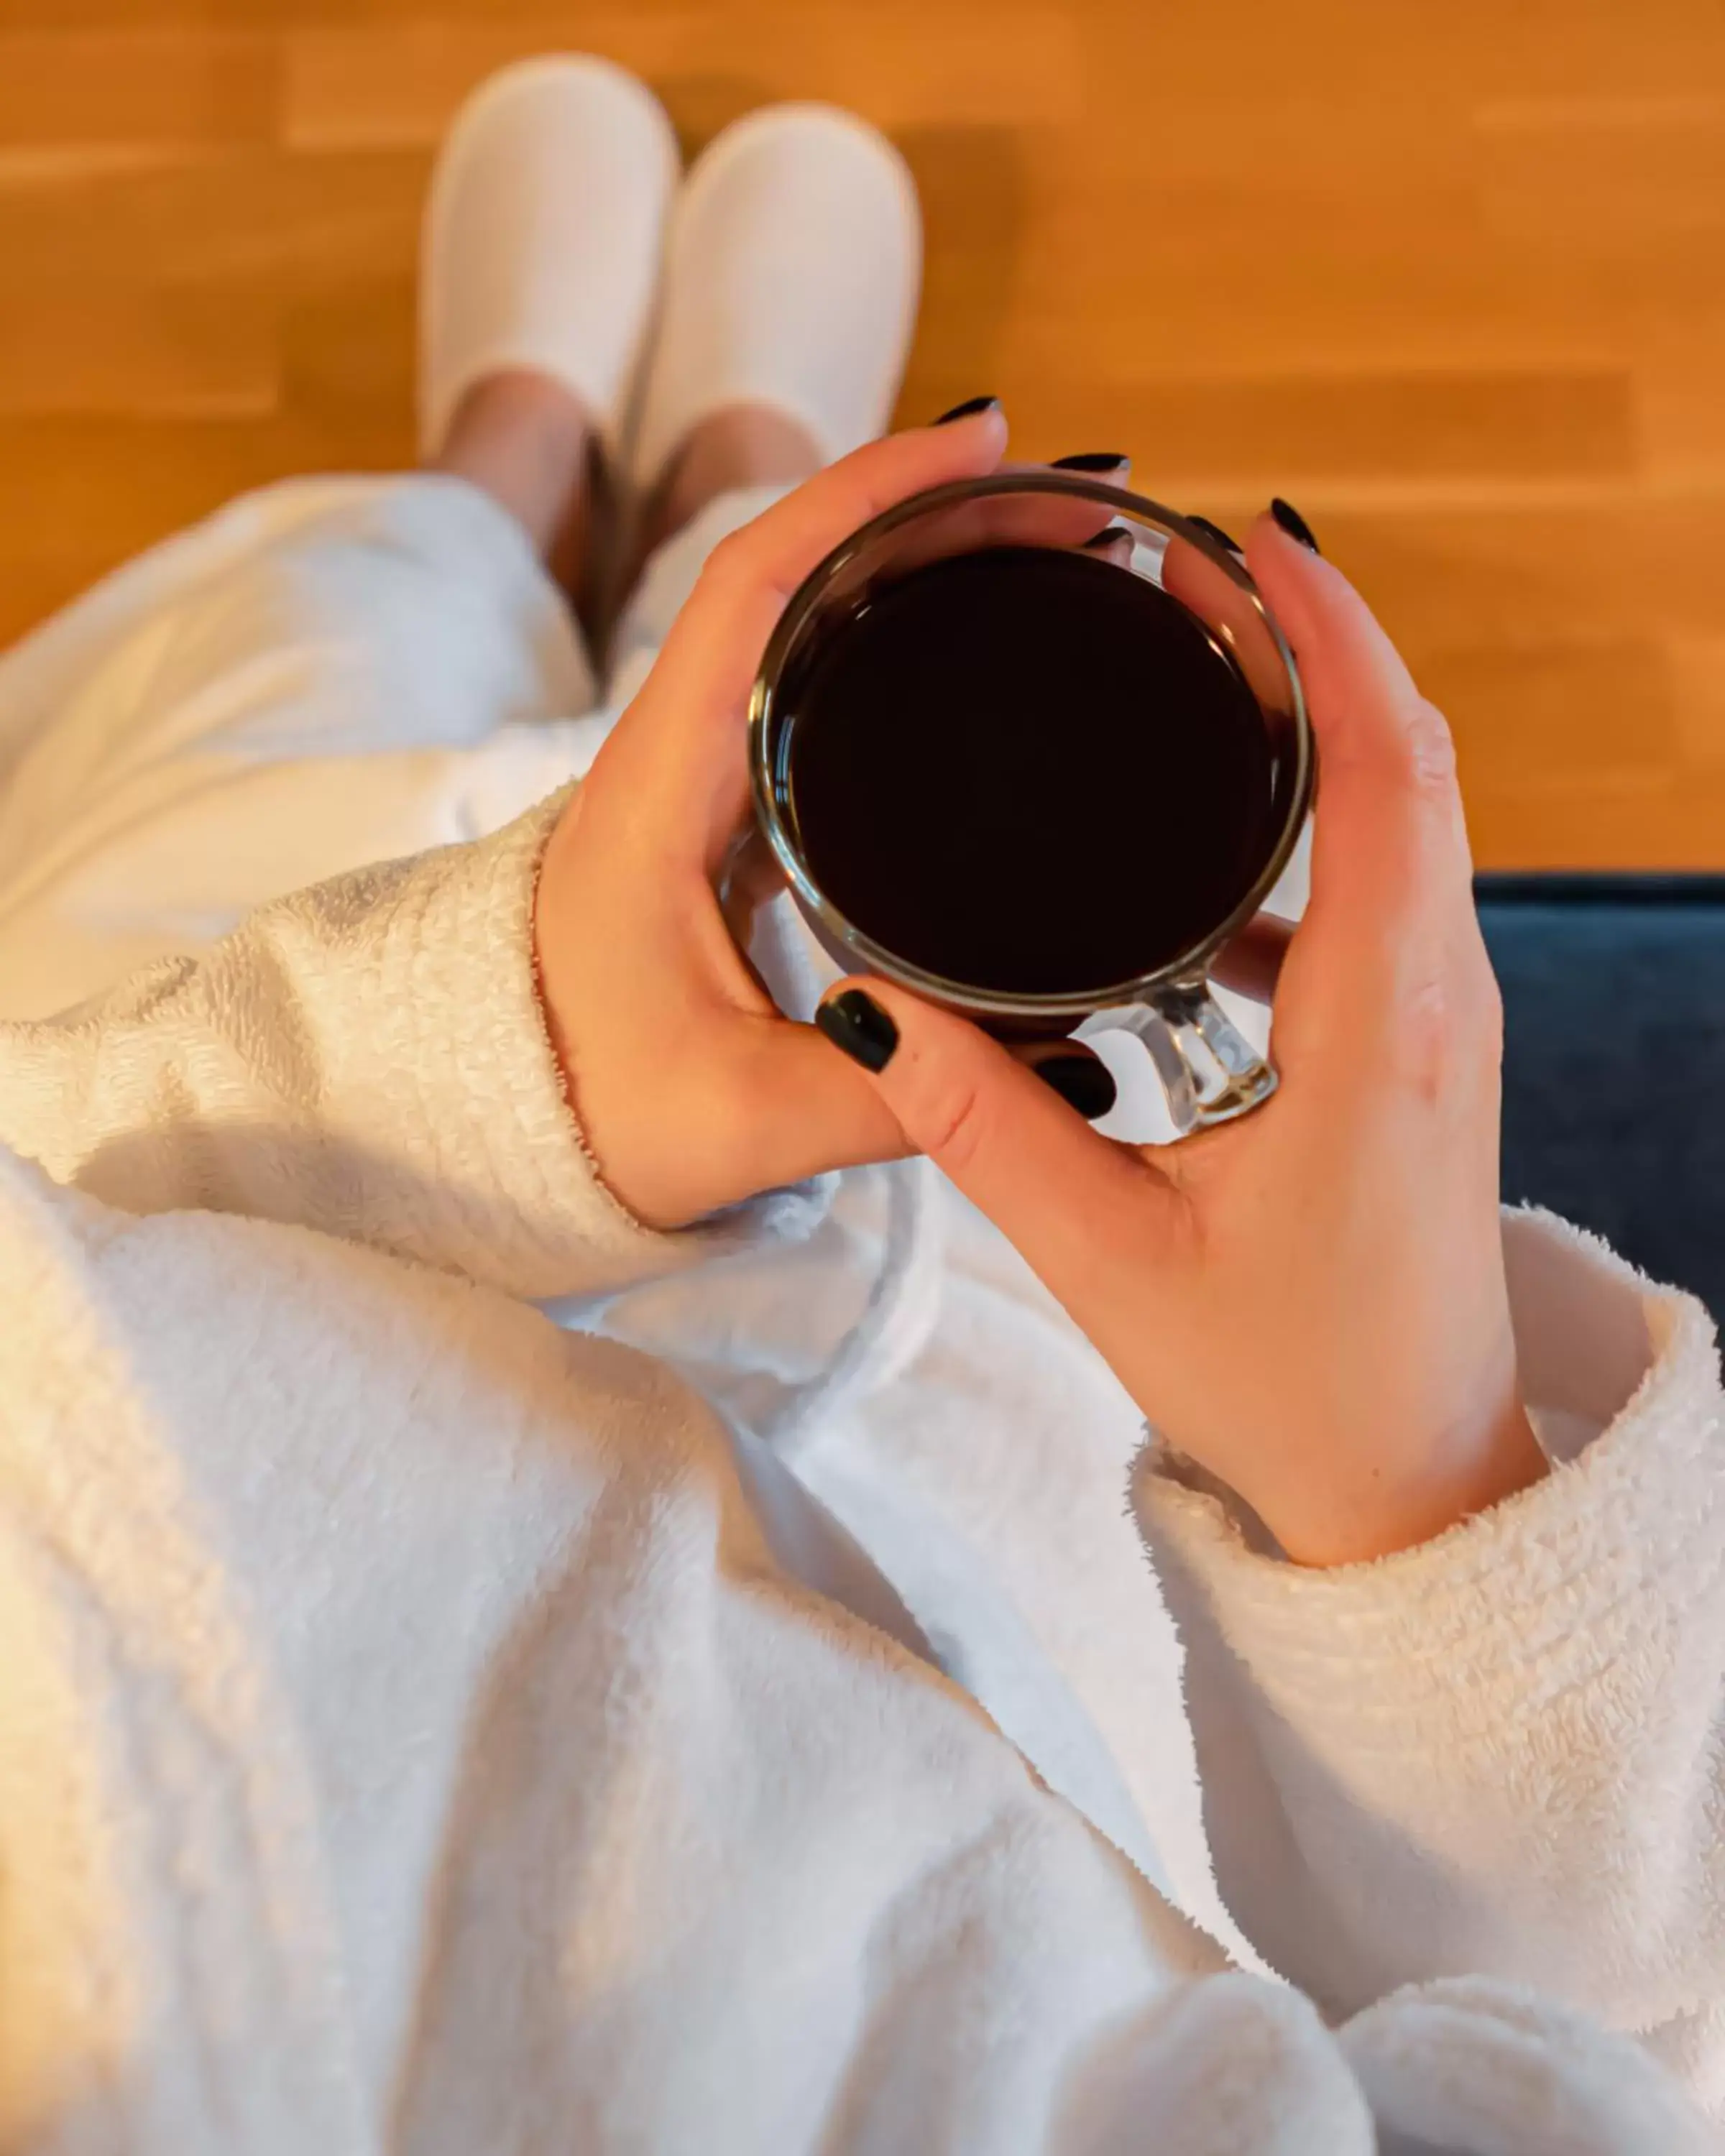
(739, 570)
(1424, 1040)
(1431, 753)
(1450, 1030)
(957, 1128)
(729, 563)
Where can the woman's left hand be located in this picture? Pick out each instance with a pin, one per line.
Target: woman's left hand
(1311, 1304)
(692, 1089)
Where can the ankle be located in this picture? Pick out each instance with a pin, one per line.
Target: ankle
(529, 442)
(741, 446)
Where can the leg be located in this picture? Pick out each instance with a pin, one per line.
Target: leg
(739, 446)
(533, 447)
(530, 444)
(789, 304)
(336, 671)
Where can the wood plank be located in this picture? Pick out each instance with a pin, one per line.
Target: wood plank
(1600, 823)
(98, 93)
(1480, 50)
(1276, 430)
(1696, 665)
(236, 215)
(1442, 577)
(1562, 713)
(1603, 174)
(77, 489)
(899, 64)
(1450, 272)
(116, 349)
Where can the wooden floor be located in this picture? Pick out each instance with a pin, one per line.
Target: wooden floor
(1449, 273)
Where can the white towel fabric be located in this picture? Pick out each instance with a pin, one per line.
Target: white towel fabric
(426, 1726)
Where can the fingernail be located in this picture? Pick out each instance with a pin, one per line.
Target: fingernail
(1294, 524)
(1082, 1082)
(1106, 537)
(967, 410)
(1092, 461)
(1216, 531)
(857, 1024)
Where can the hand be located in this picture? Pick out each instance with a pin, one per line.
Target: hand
(1310, 1303)
(691, 1089)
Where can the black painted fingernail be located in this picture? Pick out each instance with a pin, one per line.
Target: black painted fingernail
(1216, 531)
(967, 410)
(1082, 1082)
(1109, 534)
(1294, 524)
(857, 1024)
(1092, 461)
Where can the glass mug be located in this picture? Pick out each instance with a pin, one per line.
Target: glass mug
(1209, 1071)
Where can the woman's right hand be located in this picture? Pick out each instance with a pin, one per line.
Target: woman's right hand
(692, 1088)
(1309, 1303)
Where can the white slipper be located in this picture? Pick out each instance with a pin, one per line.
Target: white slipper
(791, 277)
(544, 237)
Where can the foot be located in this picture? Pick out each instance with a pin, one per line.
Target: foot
(790, 299)
(544, 234)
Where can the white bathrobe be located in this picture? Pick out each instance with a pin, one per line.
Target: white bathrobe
(429, 1722)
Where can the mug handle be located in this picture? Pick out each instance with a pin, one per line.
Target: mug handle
(1209, 1072)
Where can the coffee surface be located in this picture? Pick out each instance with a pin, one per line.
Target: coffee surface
(1027, 769)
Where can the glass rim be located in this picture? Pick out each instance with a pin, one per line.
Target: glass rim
(1187, 967)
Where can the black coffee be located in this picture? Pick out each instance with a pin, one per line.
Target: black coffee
(1029, 770)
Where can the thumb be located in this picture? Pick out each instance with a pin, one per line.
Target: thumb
(1067, 1198)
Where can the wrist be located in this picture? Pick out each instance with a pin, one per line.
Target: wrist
(1389, 1507)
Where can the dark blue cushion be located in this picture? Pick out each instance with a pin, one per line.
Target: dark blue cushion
(1613, 1095)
